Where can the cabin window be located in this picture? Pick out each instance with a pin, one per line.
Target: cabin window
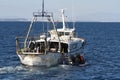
(40, 47)
(67, 33)
(61, 33)
(54, 46)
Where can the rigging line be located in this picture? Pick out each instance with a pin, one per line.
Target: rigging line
(48, 25)
(67, 22)
(43, 26)
(24, 31)
(73, 21)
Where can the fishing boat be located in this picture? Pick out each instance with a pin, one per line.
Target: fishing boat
(57, 46)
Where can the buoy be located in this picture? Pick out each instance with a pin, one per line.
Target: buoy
(82, 60)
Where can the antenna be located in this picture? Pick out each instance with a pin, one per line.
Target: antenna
(73, 21)
(43, 13)
(63, 18)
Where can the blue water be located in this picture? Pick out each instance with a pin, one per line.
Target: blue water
(102, 53)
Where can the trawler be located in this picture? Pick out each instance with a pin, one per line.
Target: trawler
(57, 46)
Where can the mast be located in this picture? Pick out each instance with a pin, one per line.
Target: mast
(63, 19)
(43, 8)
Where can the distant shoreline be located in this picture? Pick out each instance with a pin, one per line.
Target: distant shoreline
(14, 19)
(59, 21)
(28, 20)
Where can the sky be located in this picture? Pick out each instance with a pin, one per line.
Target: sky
(75, 10)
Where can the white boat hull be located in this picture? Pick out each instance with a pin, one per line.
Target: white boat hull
(48, 60)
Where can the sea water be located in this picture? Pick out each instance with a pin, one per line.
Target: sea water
(102, 54)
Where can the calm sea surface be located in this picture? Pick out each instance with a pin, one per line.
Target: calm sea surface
(102, 53)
